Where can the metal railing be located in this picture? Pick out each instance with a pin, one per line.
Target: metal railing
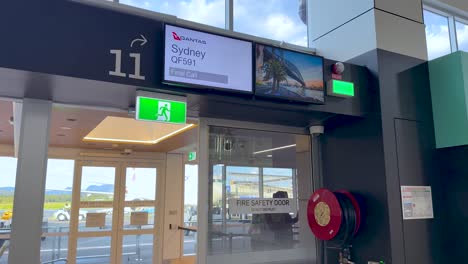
(58, 246)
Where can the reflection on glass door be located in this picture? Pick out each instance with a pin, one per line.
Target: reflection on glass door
(252, 169)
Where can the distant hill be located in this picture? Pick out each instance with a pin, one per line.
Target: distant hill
(57, 192)
(105, 188)
(11, 190)
(101, 188)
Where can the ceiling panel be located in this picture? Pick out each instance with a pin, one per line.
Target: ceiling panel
(69, 125)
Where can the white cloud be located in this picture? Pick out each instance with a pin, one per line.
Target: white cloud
(438, 40)
(201, 11)
(270, 19)
(280, 27)
(462, 36)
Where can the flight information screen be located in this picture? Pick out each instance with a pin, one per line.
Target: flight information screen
(199, 59)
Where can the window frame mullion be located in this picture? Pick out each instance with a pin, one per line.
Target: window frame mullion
(229, 15)
(452, 34)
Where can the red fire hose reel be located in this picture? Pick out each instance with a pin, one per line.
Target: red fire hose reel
(334, 215)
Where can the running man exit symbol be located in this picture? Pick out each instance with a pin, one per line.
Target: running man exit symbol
(161, 110)
(164, 113)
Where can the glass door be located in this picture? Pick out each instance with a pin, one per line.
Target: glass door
(258, 185)
(138, 242)
(113, 213)
(94, 213)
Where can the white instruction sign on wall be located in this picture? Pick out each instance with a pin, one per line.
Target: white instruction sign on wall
(95, 219)
(417, 202)
(262, 206)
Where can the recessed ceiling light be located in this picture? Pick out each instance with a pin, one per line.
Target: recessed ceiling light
(61, 135)
(71, 119)
(65, 128)
(269, 156)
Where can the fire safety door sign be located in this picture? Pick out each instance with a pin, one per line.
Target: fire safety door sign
(417, 202)
(262, 206)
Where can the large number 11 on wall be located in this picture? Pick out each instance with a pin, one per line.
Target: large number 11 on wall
(118, 65)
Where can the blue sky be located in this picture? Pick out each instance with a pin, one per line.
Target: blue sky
(273, 19)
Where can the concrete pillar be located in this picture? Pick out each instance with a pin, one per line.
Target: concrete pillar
(30, 182)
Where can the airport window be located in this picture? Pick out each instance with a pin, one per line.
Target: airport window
(57, 206)
(445, 32)
(277, 20)
(462, 36)
(437, 35)
(209, 12)
(7, 191)
(190, 208)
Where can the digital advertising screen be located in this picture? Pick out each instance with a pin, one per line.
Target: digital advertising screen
(287, 74)
(199, 59)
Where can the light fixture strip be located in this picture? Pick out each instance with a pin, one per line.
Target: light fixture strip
(148, 142)
(273, 149)
(172, 133)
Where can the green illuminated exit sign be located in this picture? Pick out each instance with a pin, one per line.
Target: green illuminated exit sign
(340, 88)
(192, 156)
(161, 110)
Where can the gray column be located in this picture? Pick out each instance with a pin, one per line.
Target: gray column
(347, 29)
(30, 182)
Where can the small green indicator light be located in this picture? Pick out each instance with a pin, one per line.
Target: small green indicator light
(192, 156)
(342, 88)
(160, 110)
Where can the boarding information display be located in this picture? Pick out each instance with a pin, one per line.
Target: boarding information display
(202, 59)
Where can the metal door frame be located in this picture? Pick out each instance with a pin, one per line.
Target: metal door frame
(203, 169)
(117, 232)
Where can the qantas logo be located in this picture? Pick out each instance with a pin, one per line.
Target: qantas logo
(183, 38)
(175, 36)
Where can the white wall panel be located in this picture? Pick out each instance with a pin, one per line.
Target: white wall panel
(411, 9)
(350, 40)
(330, 14)
(400, 35)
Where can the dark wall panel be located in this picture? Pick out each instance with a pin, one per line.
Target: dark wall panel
(353, 160)
(453, 232)
(408, 151)
(413, 170)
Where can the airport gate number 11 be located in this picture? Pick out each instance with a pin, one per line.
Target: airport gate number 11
(118, 65)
